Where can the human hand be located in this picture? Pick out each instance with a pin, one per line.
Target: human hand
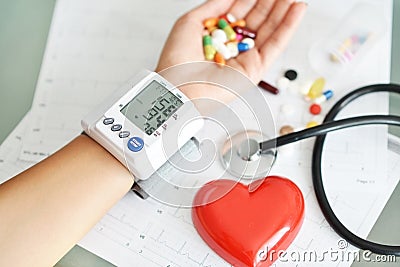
(274, 21)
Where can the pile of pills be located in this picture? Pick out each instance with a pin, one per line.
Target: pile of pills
(226, 37)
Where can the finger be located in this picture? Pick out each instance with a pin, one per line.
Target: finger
(259, 13)
(240, 8)
(277, 42)
(273, 20)
(211, 8)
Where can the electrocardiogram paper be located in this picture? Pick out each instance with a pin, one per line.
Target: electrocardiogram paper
(10, 164)
(94, 46)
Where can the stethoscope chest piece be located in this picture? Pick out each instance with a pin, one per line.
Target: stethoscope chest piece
(241, 155)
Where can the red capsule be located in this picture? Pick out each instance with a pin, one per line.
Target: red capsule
(245, 32)
(266, 86)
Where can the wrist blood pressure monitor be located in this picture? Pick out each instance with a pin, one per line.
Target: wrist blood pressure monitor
(144, 123)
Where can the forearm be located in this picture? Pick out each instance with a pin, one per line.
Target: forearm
(48, 208)
(51, 206)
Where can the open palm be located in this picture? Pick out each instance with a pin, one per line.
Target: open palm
(273, 20)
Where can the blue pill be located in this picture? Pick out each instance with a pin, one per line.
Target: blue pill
(328, 94)
(243, 47)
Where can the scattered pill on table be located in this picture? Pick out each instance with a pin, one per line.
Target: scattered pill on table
(315, 109)
(291, 75)
(286, 129)
(266, 86)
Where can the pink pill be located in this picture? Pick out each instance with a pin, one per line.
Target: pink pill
(239, 37)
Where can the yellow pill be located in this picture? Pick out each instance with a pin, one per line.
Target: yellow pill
(316, 88)
(334, 57)
(345, 45)
(209, 50)
(312, 124)
(230, 33)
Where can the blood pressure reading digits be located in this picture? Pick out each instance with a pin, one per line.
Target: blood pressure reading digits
(149, 109)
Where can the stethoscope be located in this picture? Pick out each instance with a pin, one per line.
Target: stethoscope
(248, 155)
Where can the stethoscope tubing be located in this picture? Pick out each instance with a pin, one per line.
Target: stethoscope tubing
(320, 132)
(327, 127)
(317, 176)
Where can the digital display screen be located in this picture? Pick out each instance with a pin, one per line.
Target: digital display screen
(151, 107)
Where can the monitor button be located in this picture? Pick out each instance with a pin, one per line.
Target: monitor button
(124, 134)
(108, 121)
(135, 144)
(116, 127)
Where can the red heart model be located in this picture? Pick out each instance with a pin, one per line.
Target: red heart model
(249, 228)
